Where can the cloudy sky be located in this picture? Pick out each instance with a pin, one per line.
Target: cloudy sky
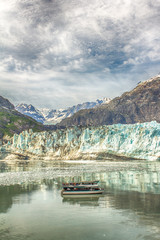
(57, 53)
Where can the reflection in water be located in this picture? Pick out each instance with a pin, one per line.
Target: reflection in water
(132, 176)
(8, 195)
(90, 201)
(137, 201)
(36, 211)
(141, 203)
(19, 165)
(141, 181)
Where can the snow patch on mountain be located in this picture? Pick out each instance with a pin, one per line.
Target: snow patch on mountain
(53, 116)
(30, 111)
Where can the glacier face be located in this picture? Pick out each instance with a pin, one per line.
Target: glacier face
(141, 141)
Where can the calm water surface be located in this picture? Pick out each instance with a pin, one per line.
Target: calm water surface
(31, 206)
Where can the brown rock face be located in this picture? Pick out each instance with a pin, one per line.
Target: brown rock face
(142, 104)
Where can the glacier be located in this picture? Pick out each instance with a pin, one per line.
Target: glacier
(137, 141)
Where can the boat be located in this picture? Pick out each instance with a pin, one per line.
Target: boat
(81, 188)
(81, 184)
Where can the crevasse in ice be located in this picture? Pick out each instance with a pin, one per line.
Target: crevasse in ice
(141, 140)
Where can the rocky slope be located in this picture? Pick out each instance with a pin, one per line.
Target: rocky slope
(140, 141)
(52, 116)
(11, 121)
(142, 104)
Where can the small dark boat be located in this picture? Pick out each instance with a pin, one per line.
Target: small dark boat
(81, 188)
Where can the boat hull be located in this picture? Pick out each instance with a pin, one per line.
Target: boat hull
(82, 192)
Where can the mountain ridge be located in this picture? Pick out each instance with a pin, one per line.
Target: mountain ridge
(142, 104)
(53, 116)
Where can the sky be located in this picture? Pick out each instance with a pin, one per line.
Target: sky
(58, 53)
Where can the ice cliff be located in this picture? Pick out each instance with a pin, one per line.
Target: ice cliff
(141, 141)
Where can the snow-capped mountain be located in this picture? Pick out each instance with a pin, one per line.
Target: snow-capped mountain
(30, 111)
(52, 116)
(55, 116)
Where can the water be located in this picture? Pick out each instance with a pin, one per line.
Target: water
(31, 206)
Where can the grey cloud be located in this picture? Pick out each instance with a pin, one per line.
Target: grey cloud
(60, 41)
(49, 25)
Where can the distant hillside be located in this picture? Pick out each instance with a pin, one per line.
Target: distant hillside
(52, 116)
(11, 121)
(142, 104)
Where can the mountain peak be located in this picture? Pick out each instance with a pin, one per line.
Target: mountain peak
(53, 116)
(30, 111)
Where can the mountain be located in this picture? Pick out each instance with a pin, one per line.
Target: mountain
(142, 104)
(11, 121)
(55, 116)
(49, 116)
(30, 111)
